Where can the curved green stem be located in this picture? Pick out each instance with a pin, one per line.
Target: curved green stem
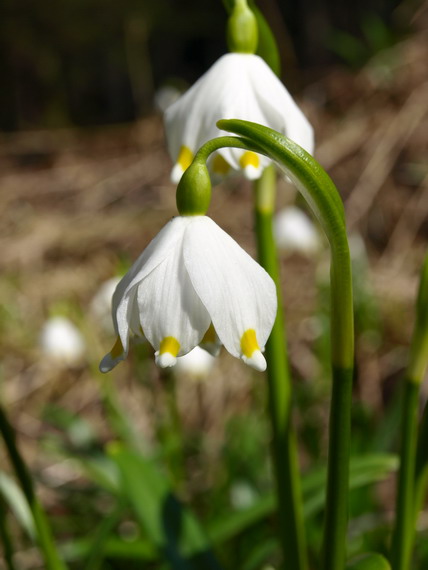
(326, 204)
(292, 533)
(44, 534)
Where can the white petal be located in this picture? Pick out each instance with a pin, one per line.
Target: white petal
(124, 308)
(256, 361)
(279, 109)
(237, 292)
(169, 307)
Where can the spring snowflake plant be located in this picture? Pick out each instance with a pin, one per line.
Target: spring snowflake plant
(239, 85)
(191, 285)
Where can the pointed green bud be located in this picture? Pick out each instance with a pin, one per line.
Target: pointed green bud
(242, 29)
(194, 190)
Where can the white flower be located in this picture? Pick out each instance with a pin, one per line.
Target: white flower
(237, 86)
(197, 363)
(295, 232)
(61, 341)
(190, 276)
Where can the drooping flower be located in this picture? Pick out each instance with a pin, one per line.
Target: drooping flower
(61, 341)
(191, 276)
(295, 232)
(238, 86)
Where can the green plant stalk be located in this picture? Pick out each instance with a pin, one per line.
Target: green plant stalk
(413, 467)
(404, 510)
(290, 511)
(421, 469)
(44, 534)
(321, 195)
(5, 537)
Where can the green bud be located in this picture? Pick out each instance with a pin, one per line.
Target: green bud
(369, 561)
(194, 190)
(242, 29)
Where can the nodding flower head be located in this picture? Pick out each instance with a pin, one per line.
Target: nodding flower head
(192, 284)
(239, 86)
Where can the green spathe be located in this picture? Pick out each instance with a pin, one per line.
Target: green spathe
(194, 190)
(242, 29)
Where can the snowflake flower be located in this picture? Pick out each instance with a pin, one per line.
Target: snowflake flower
(191, 276)
(238, 86)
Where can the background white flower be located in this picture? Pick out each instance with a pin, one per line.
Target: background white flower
(237, 86)
(61, 341)
(192, 275)
(196, 364)
(294, 231)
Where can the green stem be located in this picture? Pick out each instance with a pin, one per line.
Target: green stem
(321, 195)
(292, 532)
(413, 467)
(336, 510)
(44, 534)
(5, 537)
(421, 469)
(404, 513)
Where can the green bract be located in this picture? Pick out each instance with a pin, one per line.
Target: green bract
(194, 190)
(242, 29)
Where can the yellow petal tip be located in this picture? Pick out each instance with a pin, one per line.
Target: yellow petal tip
(166, 356)
(251, 353)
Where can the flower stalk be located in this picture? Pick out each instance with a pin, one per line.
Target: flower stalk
(292, 532)
(412, 474)
(324, 200)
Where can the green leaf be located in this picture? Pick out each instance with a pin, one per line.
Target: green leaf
(364, 470)
(165, 521)
(369, 561)
(17, 502)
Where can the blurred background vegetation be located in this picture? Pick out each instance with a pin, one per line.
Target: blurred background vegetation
(85, 185)
(92, 62)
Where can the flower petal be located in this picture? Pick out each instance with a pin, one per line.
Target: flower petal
(173, 318)
(237, 292)
(124, 309)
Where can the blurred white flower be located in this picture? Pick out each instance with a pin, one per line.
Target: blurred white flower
(61, 341)
(192, 275)
(237, 86)
(196, 364)
(295, 232)
(100, 306)
(165, 96)
(242, 495)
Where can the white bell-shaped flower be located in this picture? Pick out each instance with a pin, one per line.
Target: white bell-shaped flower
(191, 276)
(295, 232)
(237, 86)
